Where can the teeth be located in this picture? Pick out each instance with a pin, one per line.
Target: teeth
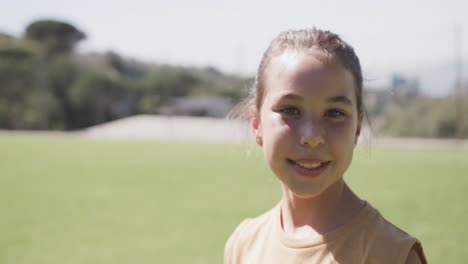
(309, 165)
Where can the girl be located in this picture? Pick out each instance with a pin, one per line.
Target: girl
(306, 112)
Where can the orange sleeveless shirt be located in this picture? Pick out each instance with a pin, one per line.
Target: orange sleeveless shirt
(368, 238)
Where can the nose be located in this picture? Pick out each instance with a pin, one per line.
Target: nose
(312, 134)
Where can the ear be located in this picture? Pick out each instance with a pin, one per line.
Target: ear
(358, 127)
(254, 117)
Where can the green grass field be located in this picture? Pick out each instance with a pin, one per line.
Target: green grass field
(86, 201)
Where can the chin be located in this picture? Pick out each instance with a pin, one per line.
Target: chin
(311, 190)
(305, 192)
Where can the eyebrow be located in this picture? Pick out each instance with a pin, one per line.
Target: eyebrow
(334, 99)
(340, 99)
(291, 96)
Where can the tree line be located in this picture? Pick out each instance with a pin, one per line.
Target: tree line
(46, 84)
(428, 118)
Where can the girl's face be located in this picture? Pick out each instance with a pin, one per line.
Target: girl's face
(308, 123)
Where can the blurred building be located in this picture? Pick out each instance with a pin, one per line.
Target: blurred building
(404, 89)
(399, 89)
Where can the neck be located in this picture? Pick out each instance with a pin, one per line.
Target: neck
(303, 217)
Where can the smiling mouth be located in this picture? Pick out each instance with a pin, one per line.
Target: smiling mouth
(309, 164)
(309, 168)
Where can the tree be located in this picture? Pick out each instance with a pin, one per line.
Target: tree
(60, 74)
(96, 98)
(414, 120)
(163, 85)
(55, 36)
(18, 64)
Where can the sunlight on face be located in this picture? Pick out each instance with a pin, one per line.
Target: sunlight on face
(308, 121)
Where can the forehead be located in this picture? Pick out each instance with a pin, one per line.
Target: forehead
(311, 72)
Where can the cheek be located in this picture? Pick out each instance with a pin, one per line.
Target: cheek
(277, 135)
(341, 144)
(342, 132)
(275, 127)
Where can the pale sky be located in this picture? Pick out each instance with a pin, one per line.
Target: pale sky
(388, 36)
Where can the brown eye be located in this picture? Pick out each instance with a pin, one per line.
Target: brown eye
(290, 111)
(334, 113)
